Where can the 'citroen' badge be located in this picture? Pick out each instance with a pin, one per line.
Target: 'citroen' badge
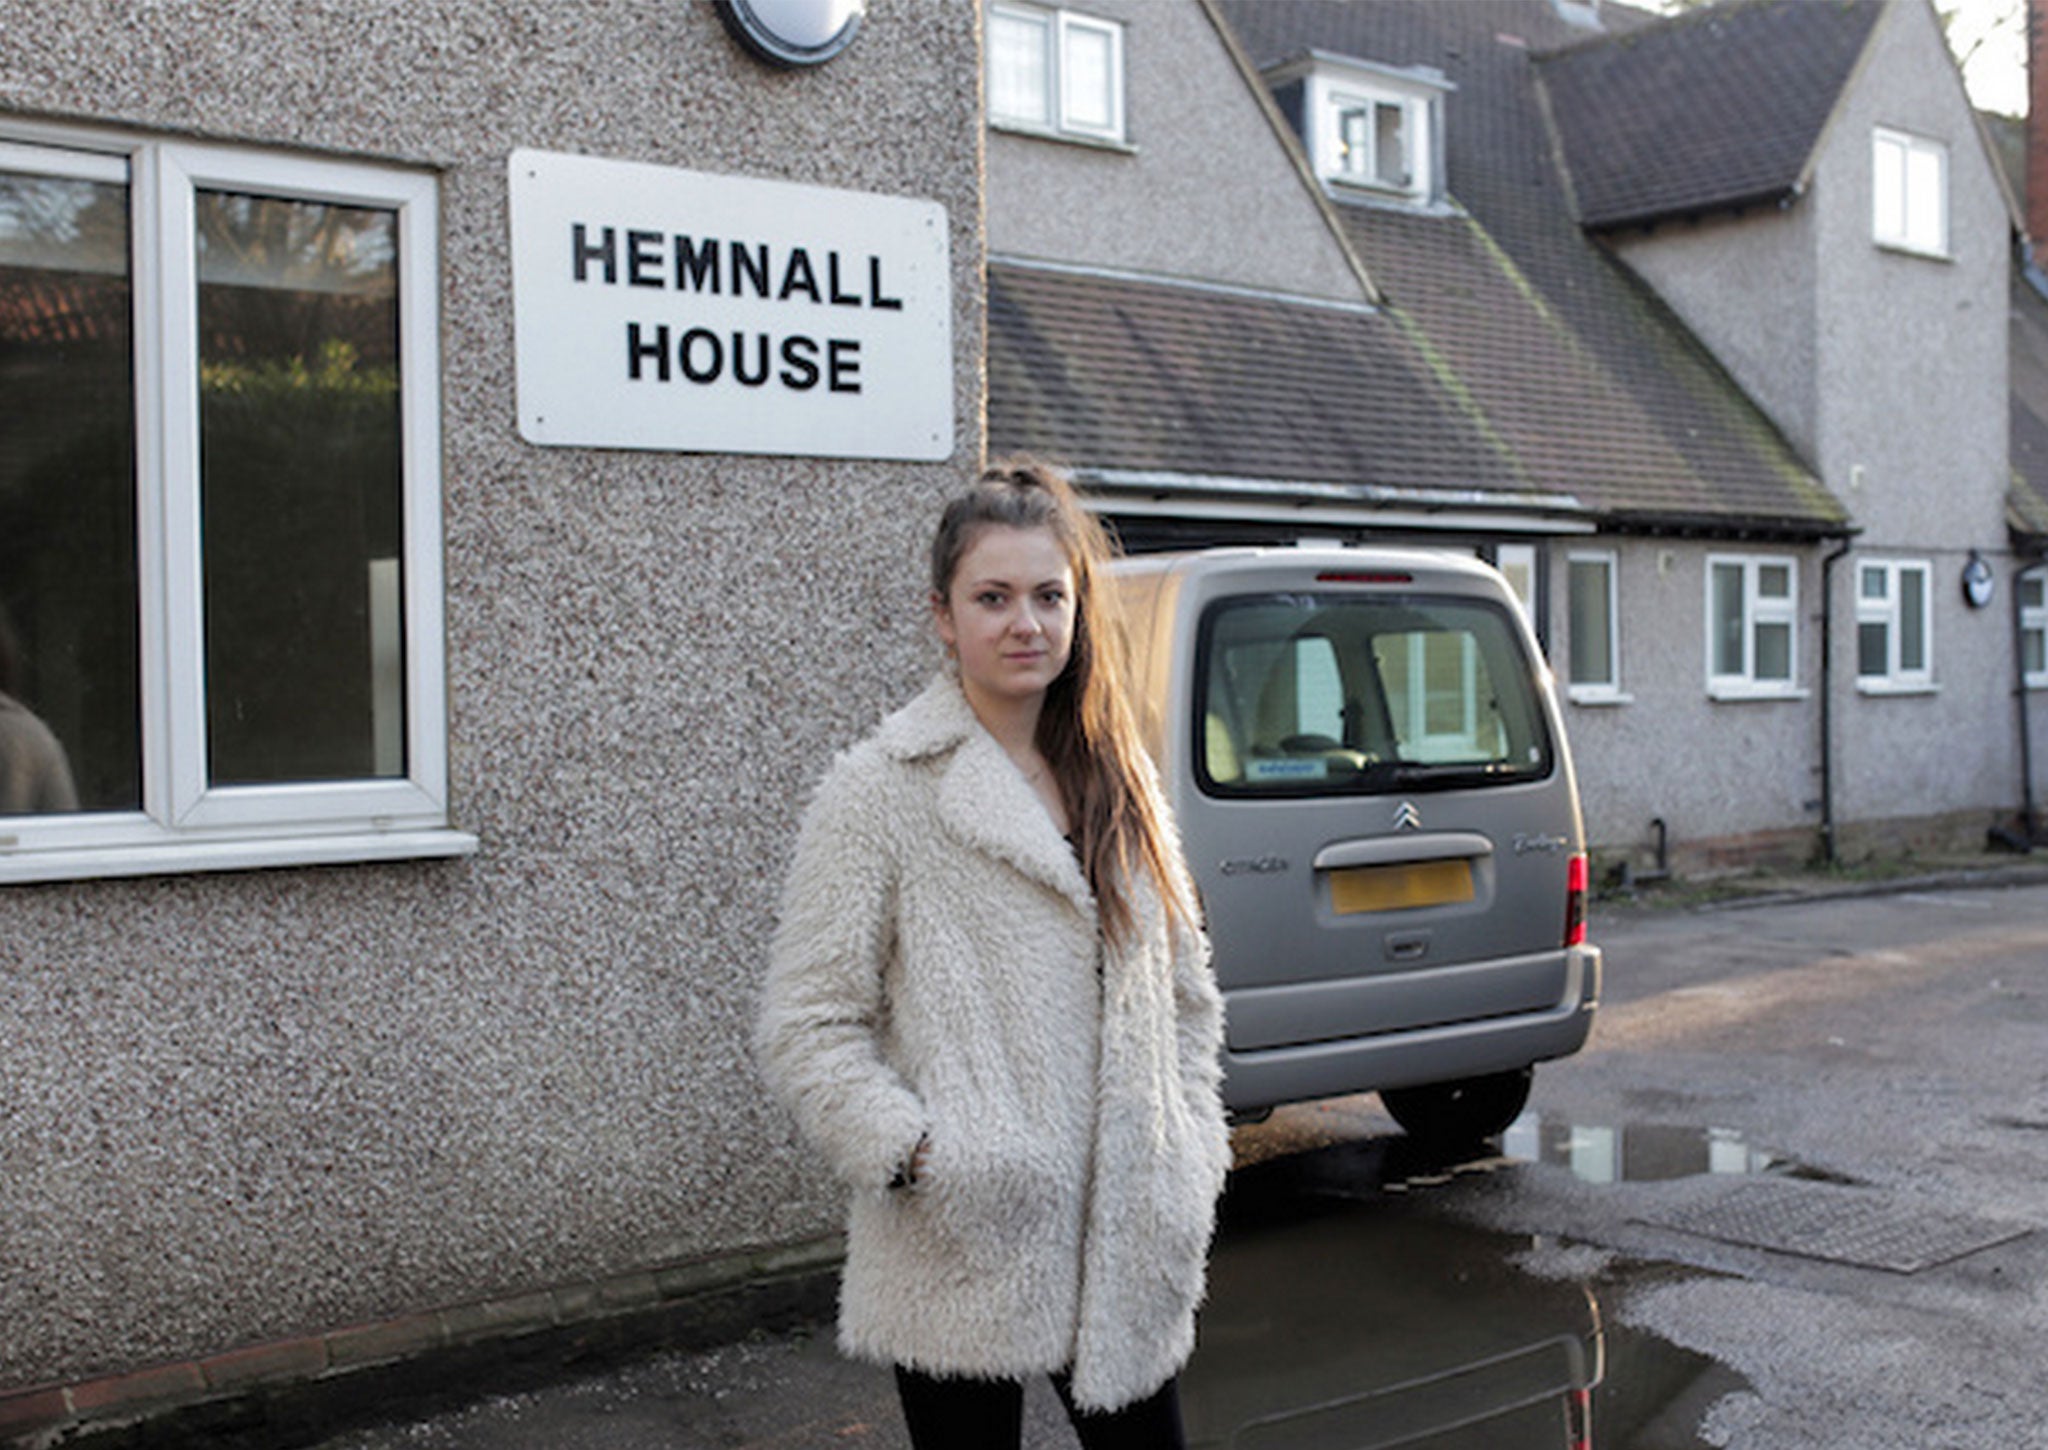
(1406, 817)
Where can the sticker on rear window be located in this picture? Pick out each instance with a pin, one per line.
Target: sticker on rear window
(1287, 770)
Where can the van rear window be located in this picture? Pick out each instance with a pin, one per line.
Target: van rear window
(1351, 692)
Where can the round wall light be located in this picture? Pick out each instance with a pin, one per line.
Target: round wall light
(793, 32)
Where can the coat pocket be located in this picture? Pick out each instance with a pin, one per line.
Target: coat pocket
(984, 1206)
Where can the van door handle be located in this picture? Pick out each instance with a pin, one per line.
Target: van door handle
(1407, 946)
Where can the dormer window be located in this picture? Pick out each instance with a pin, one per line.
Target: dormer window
(1370, 130)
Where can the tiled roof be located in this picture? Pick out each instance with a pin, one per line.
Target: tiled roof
(1591, 382)
(1120, 374)
(1716, 109)
(2027, 503)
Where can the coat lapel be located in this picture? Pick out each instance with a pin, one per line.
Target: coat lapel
(983, 799)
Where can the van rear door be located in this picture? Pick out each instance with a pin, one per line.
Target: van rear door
(1381, 819)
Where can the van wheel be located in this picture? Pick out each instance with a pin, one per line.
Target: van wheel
(1457, 1114)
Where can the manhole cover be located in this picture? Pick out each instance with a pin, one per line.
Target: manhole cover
(1846, 1225)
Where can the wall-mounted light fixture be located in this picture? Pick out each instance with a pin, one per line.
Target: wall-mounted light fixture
(792, 33)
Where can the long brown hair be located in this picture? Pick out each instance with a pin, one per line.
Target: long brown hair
(1086, 730)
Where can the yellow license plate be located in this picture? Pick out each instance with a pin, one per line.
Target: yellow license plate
(1393, 888)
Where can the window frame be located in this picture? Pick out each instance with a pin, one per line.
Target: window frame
(1758, 610)
(1882, 230)
(1059, 26)
(2033, 620)
(1889, 612)
(185, 823)
(1358, 100)
(1595, 692)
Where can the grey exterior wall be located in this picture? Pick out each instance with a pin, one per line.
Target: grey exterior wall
(1715, 771)
(246, 1106)
(1204, 191)
(1888, 372)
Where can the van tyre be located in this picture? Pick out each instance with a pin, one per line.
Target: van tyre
(1457, 1114)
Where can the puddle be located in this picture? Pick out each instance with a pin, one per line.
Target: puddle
(1645, 1152)
(1341, 1316)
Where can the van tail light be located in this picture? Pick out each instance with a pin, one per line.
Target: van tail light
(1579, 1418)
(1578, 880)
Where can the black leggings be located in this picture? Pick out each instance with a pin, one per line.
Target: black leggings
(976, 1414)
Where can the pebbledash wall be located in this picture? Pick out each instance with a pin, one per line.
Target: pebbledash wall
(245, 1106)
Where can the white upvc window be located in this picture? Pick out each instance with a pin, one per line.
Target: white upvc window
(1894, 625)
(1517, 564)
(2033, 602)
(1752, 626)
(220, 507)
(1594, 643)
(1377, 140)
(1909, 192)
(1056, 71)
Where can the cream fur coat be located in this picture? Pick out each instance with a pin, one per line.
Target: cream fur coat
(935, 972)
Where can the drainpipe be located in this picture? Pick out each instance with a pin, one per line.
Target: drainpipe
(1827, 702)
(2028, 827)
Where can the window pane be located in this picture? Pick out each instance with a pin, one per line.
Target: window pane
(1354, 132)
(1390, 145)
(1020, 68)
(1876, 583)
(1088, 79)
(2034, 650)
(1327, 694)
(1592, 660)
(1888, 189)
(70, 722)
(1873, 650)
(301, 489)
(1728, 622)
(1912, 620)
(1925, 202)
(1774, 652)
(2031, 591)
(1774, 581)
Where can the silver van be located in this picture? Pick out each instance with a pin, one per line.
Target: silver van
(1364, 751)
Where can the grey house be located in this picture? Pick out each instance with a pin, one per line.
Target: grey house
(1711, 307)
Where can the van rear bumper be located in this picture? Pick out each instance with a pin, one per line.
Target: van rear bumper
(1267, 1077)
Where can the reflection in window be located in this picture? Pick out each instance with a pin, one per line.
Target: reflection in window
(70, 720)
(302, 489)
(1312, 694)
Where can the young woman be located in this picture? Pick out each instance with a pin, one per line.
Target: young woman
(989, 1005)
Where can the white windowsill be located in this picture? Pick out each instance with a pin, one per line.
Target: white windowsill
(1114, 144)
(1597, 695)
(1878, 687)
(1751, 694)
(178, 858)
(1907, 249)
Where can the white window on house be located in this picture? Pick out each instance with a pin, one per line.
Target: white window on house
(1517, 564)
(1594, 646)
(1893, 625)
(220, 588)
(1909, 192)
(1370, 130)
(1056, 71)
(1376, 141)
(1752, 626)
(2033, 602)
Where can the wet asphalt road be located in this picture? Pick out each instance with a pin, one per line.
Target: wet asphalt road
(1794, 1194)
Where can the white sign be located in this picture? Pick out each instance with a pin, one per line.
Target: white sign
(661, 308)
